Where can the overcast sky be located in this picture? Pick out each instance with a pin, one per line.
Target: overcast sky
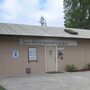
(30, 11)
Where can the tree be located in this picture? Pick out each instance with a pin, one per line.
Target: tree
(77, 14)
(42, 21)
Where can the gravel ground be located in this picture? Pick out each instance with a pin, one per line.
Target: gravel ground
(59, 81)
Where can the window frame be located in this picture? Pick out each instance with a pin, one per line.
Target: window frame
(35, 57)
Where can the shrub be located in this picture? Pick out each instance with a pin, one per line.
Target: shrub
(2, 88)
(71, 68)
(88, 66)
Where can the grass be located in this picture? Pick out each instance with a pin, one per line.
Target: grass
(2, 88)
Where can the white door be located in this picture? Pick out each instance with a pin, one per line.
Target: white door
(51, 59)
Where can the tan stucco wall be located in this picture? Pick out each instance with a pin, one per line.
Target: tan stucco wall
(78, 55)
(15, 67)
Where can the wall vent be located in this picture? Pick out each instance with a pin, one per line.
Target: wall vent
(28, 70)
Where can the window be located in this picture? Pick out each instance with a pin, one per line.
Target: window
(32, 54)
(15, 54)
(50, 52)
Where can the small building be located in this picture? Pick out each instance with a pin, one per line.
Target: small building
(27, 49)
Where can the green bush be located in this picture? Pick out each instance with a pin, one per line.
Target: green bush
(2, 88)
(71, 68)
(88, 66)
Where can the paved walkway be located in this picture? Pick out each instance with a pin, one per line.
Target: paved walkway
(61, 81)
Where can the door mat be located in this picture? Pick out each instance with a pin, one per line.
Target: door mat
(54, 72)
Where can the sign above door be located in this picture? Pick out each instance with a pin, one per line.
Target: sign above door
(47, 42)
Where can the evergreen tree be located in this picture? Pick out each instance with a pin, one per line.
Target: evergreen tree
(77, 14)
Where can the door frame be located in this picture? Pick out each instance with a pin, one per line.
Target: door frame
(56, 58)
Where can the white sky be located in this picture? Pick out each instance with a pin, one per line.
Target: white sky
(30, 11)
